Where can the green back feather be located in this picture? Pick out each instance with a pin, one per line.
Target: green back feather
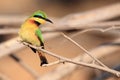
(39, 34)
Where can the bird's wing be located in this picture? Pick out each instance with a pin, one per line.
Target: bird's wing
(39, 35)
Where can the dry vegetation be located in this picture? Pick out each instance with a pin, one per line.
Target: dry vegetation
(89, 47)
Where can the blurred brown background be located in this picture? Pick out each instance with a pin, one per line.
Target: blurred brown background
(12, 70)
(55, 8)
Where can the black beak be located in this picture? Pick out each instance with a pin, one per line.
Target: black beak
(48, 20)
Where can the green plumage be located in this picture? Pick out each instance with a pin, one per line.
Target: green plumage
(40, 13)
(39, 34)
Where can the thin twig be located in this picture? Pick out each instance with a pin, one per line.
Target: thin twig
(117, 73)
(87, 30)
(96, 29)
(63, 70)
(87, 52)
(53, 63)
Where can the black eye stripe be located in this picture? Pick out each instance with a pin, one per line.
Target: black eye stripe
(38, 16)
(37, 23)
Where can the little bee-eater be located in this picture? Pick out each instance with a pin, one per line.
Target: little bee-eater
(31, 33)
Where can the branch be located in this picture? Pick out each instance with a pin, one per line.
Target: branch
(63, 70)
(87, 52)
(97, 29)
(101, 25)
(117, 73)
(54, 63)
(12, 45)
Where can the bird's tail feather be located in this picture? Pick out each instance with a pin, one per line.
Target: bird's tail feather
(42, 57)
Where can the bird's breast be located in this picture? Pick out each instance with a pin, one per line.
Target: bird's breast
(27, 33)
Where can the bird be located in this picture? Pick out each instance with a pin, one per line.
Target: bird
(30, 32)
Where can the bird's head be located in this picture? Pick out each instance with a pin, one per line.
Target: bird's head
(40, 17)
